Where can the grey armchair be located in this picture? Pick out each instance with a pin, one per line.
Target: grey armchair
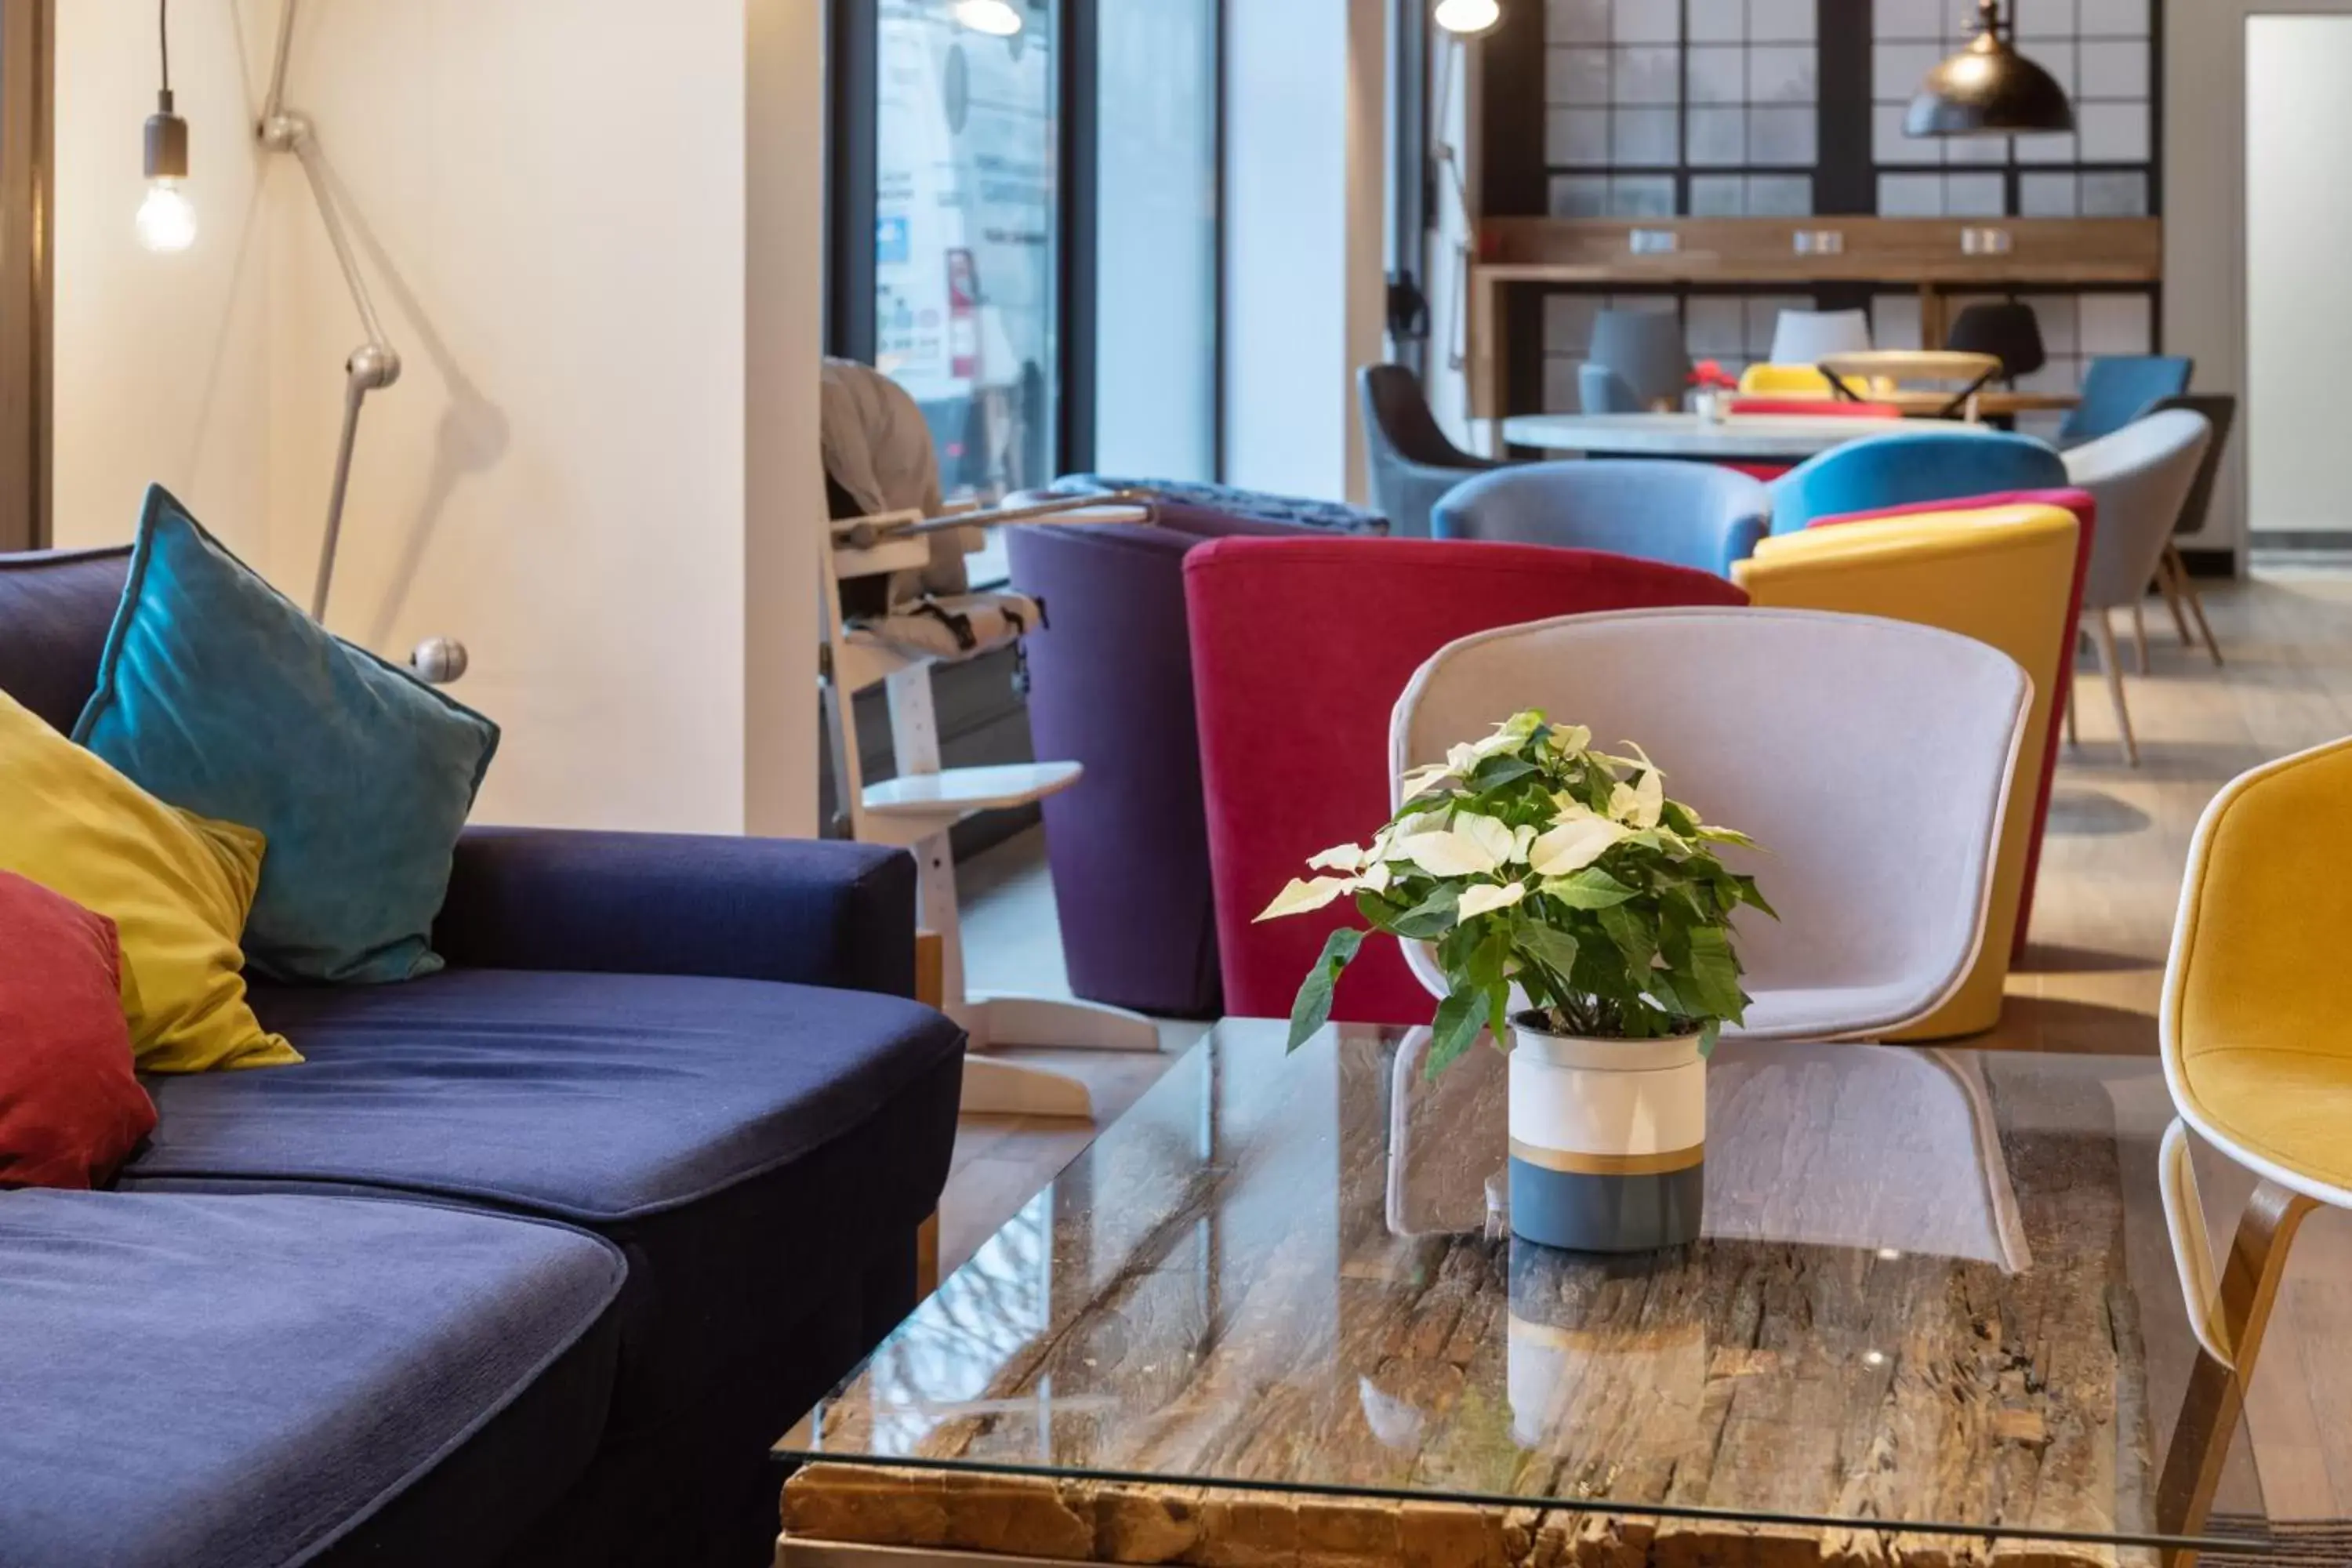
(1700, 515)
(1412, 463)
(2172, 578)
(1599, 390)
(1645, 350)
(2140, 476)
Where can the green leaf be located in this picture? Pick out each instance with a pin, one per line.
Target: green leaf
(1432, 917)
(1713, 974)
(1591, 889)
(1459, 1018)
(1547, 945)
(1749, 895)
(1709, 1031)
(1499, 770)
(1312, 1010)
(1635, 938)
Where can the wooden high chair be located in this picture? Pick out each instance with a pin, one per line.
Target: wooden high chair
(897, 652)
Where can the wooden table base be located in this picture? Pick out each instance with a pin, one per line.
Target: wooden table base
(855, 1516)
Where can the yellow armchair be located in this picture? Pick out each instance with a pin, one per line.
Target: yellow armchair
(2256, 1031)
(2003, 575)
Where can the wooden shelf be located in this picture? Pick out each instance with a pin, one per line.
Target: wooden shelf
(1871, 249)
(1935, 255)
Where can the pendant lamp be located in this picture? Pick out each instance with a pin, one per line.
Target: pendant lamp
(1989, 89)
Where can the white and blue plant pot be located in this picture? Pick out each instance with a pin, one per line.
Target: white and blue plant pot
(1607, 1142)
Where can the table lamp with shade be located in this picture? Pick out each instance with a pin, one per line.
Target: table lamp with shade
(167, 221)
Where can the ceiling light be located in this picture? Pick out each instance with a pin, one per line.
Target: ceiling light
(997, 18)
(1467, 18)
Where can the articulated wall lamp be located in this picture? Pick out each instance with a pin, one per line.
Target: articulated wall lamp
(374, 364)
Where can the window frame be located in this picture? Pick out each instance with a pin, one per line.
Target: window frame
(852, 167)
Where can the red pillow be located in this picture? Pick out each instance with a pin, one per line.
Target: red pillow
(70, 1108)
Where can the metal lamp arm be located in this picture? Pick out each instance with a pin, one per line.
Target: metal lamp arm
(375, 362)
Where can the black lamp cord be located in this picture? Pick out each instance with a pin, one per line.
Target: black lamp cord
(163, 46)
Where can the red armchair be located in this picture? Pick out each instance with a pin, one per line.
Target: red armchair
(2080, 503)
(1300, 647)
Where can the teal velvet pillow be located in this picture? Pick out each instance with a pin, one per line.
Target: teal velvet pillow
(218, 695)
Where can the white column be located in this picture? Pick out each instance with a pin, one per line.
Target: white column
(1304, 109)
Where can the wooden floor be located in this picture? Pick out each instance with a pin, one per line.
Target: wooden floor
(2102, 919)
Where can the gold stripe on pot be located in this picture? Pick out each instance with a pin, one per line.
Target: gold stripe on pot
(1576, 1165)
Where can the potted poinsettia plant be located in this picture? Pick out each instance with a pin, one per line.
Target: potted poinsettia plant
(1712, 388)
(1583, 919)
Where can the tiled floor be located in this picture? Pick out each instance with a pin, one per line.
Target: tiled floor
(2103, 918)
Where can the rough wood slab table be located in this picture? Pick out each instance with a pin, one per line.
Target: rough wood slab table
(1274, 1318)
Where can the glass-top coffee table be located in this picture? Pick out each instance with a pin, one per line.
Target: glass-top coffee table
(1275, 1313)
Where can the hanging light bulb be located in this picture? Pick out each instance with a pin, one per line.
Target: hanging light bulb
(167, 219)
(1467, 18)
(997, 18)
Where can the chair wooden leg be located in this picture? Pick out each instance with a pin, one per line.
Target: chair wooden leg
(927, 1256)
(2216, 1401)
(2104, 631)
(2139, 631)
(2186, 586)
(2171, 592)
(2074, 732)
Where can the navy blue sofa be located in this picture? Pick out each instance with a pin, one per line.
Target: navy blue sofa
(531, 1260)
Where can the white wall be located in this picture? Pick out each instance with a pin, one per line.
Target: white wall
(2205, 286)
(1305, 90)
(605, 426)
(2298, 231)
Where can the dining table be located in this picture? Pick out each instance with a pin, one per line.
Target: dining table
(1736, 437)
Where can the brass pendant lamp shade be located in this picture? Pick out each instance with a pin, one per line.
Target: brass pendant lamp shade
(1989, 89)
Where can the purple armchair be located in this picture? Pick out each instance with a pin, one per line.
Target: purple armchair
(1110, 686)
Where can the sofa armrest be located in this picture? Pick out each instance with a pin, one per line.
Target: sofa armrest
(812, 912)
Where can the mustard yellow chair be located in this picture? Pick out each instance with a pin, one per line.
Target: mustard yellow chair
(1798, 381)
(1783, 381)
(2003, 575)
(2256, 1028)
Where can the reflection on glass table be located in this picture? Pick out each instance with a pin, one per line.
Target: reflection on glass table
(1935, 1301)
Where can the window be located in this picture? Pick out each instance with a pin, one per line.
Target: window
(1024, 230)
(1709, 109)
(1155, 226)
(966, 194)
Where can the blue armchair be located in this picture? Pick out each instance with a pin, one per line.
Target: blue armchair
(1410, 460)
(634, 1180)
(1907, 466)
(2118, 389)
(1699, 515)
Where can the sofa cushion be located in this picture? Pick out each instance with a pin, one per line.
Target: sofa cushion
(207, 1380)
(222, 696)
(176, 887)
(744, 1140)
(55, 608)
(70, 1107)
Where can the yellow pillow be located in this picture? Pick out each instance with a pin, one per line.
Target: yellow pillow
(176, 887)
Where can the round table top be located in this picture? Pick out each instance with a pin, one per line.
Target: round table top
(1797, 436)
